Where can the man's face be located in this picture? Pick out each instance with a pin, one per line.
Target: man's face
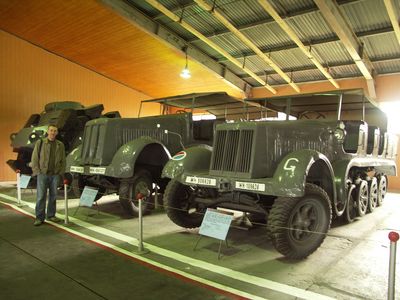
(52, 133)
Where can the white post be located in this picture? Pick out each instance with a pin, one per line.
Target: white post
(393, 237)
(140, 246)
(66, 220)
(19, 187)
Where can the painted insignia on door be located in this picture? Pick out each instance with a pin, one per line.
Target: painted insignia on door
(179, 156)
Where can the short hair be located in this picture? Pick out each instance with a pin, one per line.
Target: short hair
(52, 125)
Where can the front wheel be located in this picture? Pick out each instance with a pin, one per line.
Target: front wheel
(142, 183)
(180, 205)
(298, 226)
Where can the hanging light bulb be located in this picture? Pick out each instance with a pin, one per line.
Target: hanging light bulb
(185, 72)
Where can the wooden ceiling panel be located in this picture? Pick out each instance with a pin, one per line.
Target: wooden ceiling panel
(93, 36)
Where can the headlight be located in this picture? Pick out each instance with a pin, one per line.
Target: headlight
(339, 134)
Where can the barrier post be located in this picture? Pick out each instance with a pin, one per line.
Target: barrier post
(18, 186)
(66, 220)
(141, 250)
(393, 237)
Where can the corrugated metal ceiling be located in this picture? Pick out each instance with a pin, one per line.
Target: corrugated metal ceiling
(365, 17)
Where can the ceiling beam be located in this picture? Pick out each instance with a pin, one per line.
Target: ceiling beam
(268, 20)
(332, 66)
(286, 28)
(218, 15)
(210, 43)
(394, 17)
(266, 50)
(138, 19)
(333, 16)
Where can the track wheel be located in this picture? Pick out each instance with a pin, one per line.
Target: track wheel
(351, 205)
(373, 195)
(141, 182)
(382, 189)
(362, 198)
(298, 226)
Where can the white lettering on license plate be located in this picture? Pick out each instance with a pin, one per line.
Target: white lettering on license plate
(201, 180)
(97, 170)
(76, 169)
(251, 186)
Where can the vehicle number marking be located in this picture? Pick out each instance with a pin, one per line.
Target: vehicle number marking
(201, 180)
(76, 169)
(97, 170)
(251, 186)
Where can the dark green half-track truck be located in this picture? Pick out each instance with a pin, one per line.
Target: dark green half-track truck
(292, 175)
(126, 156)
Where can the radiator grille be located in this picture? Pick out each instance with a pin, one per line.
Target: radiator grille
(232, 151)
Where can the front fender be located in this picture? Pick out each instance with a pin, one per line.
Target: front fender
(123, 162)
(291, 173)
(194, 159)
(73, 158)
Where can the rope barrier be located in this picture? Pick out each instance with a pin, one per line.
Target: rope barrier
(147, 201)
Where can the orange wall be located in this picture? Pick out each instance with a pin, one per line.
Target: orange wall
(388, 89)
(30, 77)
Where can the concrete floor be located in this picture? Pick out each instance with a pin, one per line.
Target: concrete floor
(94, 257)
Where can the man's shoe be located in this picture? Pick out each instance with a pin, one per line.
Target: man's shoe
(37, 222)
(54, 219)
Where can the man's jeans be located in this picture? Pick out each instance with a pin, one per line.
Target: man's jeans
(45, 182)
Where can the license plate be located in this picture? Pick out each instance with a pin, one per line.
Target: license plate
(97, 170)
(201, 180)
(76, 169)
(251, 186)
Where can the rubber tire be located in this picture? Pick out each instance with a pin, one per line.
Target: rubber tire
(177, 204)
(285, 208)
(350, 212)
(362, 198)
(130, 187)
(77, 185)
(372, 194)
(382, 189)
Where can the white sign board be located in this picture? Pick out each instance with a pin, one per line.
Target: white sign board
(24, 181)
(88, 196)
(216, 224)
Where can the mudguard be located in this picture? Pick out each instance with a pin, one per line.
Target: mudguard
(194, 159)
(290, 175)
(123, 162)
(73, 159)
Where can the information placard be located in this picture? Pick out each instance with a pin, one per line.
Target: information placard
(24, 181)
(216, 224)
(88, 196)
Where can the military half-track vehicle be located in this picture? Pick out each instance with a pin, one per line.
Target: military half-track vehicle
(293, 175)
(126, 156)
(70, 117)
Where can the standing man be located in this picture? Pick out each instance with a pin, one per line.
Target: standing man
(48, 163)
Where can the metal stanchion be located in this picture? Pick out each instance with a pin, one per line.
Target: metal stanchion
(156, 196)
(18, 187)
(141, 250)
(66, 220)
(393, 237)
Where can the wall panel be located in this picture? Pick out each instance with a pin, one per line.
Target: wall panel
(30, 77)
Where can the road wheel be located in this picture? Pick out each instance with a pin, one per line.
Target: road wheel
(298, 226)
(180, 205)
(373, 194)
(77, 185)
(351, 205)
(142, 183)
(382, 189)
(362, 198)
